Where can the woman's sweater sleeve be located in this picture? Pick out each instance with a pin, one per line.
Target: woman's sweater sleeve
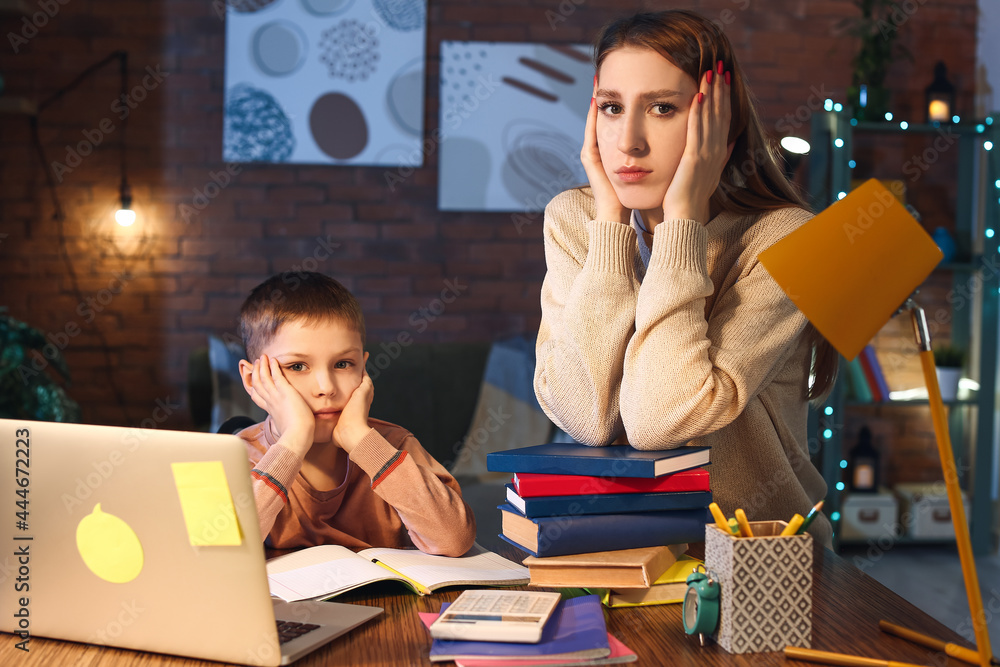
(588, 316)
(688, 373)
(426, 497)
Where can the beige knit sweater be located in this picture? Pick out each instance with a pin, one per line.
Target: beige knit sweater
(700, 347)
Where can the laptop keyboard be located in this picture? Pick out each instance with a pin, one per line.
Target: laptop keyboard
(289, 630)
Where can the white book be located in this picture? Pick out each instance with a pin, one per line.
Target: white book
(325, 571)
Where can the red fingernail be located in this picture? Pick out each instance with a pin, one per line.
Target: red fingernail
(701, 97)
(719, 67)
(727, 78)
(708, 77)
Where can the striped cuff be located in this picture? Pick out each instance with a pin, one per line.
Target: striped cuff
(271, 482)
(389, 466)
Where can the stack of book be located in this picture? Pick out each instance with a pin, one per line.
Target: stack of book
(567, 498)
(624, 578)
(576, 634)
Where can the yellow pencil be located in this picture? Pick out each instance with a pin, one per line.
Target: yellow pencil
(954, 650)
(734, 527)
(720, 518)
(793, 525)
(841, 658)
(741, 518)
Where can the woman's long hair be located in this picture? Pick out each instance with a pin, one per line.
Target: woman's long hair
(753, 179)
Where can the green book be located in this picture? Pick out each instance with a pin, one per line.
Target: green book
(857, 382)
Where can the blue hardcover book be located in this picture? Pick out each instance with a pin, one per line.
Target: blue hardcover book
(568, 458)
(543, 536)
(576, 629)
(607, 503)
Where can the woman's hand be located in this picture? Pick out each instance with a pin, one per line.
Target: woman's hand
(605, 197)
(705, 151)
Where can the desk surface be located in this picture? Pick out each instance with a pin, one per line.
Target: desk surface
(847, 605)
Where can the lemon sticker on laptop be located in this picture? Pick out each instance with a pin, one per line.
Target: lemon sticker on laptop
(109, 547)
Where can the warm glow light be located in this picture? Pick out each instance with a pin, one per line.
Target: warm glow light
(124, 216)
(795, 145)
(938, 110)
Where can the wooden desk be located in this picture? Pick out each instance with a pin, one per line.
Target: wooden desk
(847, 605)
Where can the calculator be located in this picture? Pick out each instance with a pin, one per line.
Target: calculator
(496, 616)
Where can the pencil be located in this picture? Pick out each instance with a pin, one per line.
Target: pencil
(720, 518)
(954, 650)
(809, 517)
(741, 518)
(734, 527)
(828, 658)
(793, 526)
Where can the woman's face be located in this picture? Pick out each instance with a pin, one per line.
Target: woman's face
(643, 102)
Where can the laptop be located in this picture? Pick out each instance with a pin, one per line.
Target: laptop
(124, 537)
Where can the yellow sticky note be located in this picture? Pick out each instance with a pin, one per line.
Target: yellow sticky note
(207, 504)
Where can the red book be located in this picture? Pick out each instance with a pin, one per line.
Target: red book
(534, 485)
(866, 365)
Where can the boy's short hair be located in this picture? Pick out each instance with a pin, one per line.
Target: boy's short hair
(284, 297)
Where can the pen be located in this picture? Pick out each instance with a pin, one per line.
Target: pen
(841, 658)
(809, 517)
(954, 650)
(793, 526)
(720, 518)
(741, 518)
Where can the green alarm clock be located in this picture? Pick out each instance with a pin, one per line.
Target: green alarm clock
(700, 612)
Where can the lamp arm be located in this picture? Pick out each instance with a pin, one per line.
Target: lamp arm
(947, 455)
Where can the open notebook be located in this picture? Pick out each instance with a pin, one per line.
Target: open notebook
(328, 570)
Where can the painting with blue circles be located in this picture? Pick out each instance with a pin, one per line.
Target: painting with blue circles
(512, 121)
(324, 81)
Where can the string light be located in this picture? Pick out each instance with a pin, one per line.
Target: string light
(956, 119)
(838, 107)
(841, 195)
(843, 463)
(828, 104)
(888, 115)
(840, 486)
(828, 411)
(852, 164)
(903, 125)
(839, 143)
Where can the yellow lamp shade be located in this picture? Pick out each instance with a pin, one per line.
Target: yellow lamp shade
(852, 266)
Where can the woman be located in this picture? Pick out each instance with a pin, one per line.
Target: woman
(658, 323)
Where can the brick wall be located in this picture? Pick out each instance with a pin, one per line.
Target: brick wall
(147, 296)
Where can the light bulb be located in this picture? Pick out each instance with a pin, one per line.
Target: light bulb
(124, 216)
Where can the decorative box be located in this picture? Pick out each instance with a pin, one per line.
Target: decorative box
(924, 512)
(766, 587)
(869, 515)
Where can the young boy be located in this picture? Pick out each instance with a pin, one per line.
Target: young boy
(323, 472)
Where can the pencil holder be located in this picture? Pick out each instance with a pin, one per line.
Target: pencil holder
(766, 587)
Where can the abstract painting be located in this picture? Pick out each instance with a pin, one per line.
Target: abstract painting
(512, 121)
(325, 81)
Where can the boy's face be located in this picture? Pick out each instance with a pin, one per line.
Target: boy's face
(323, 361)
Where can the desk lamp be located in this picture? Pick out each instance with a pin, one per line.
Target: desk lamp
(848, 270)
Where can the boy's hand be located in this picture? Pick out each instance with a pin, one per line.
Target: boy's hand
(353, 423)
(289, 412)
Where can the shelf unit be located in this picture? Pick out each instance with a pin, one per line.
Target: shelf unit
(977, 233)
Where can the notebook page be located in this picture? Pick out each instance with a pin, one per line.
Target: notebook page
(475, 567)
(320, 572)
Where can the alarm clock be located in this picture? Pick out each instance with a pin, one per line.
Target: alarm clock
(700, 612)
